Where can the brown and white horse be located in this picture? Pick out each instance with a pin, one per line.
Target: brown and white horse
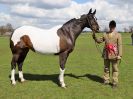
(59, 40)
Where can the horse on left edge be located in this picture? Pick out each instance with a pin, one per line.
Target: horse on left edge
(59, 40)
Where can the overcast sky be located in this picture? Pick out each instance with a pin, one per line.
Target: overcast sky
(49, 13)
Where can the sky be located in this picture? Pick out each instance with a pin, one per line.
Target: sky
(49, 13)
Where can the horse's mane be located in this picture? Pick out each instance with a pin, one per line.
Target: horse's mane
(70, 21)
(74, 20)
(72, 27)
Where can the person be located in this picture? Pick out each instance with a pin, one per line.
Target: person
(112, 53)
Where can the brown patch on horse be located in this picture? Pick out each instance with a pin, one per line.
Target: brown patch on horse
(26, 42)
(63, 44)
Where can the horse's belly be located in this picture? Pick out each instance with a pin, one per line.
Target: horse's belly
(47, 46)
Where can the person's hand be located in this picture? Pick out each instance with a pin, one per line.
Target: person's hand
(119, 57)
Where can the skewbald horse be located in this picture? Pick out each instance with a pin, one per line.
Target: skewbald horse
(59, 40)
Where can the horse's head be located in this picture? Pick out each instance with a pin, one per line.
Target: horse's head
(91, 21)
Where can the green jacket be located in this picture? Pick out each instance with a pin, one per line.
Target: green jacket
(113, 38)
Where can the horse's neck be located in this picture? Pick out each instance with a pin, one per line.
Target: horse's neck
(74, 30)
(77, 33)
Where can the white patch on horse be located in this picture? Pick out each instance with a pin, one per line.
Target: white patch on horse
(21, 76)
(44, 41)
(61, 77)
(13, 76)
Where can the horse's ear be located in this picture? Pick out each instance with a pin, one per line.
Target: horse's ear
(90, 11)
(94, 12)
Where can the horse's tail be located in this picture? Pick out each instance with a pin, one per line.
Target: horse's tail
(11, 42)
(11, 45)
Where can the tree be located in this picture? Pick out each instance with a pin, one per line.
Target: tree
(9, 27)
(6, 29)
(126, 30)
(130, 29)
(2, 30)
(105, 29)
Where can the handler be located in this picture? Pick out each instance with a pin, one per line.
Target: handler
(112, 53)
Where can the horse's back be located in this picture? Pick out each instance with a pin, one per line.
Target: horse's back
(43, 40)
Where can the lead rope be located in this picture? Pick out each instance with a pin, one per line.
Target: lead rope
(124, 61)
(97, 46)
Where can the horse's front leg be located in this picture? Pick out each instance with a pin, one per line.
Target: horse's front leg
(20, 61)
(20, 72)
(62, 58)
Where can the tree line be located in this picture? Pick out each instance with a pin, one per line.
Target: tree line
(126, 29)
(6, 30)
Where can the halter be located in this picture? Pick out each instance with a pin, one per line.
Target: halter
(90, 23)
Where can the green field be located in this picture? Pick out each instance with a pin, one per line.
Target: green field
(83, 75)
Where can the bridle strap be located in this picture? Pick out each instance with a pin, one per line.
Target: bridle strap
(89, 22)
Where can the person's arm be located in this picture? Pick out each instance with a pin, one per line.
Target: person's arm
(119, 45)
(98, 40)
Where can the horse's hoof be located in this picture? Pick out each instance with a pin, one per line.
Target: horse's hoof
(13, 83)
(64, 87)
(23, 80)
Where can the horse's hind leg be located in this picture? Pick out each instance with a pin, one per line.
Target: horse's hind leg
(19, 52)
(20, 62)
(13, 67)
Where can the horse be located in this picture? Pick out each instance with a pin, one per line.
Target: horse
(59, 40)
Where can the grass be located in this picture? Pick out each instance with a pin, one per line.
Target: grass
(83, 75)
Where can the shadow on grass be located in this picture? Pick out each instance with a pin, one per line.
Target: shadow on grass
(94, 78)
(54, 77)
(90, 76)
(40, 77)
